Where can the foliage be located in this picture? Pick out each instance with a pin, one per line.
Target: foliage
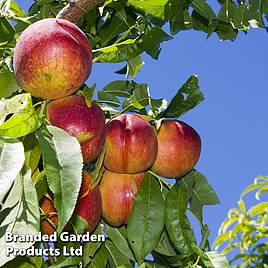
(246, 230)
(119, 31)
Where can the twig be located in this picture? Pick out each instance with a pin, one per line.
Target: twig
(161, 180)
(76, 9)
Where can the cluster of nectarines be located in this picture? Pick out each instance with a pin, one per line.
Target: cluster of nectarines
(52, 60)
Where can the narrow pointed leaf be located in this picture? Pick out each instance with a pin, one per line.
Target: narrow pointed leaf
(116, 258)
(187, 97)
(119, 241)
(63, 163)
(11, 162)
(214, 259)
(147, 218)
(176, 222)
(19, 215)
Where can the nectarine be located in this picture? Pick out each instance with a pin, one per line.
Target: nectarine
(179, 148)
(118, 192)
(52, 58)
(86, 124)
(131, 144)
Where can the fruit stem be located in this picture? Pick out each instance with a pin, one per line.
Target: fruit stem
(42, 108)
(38, 103)
(161, 180)
(197, 261)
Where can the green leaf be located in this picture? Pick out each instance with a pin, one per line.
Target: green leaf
(200, 23)
(162, 261)
(187, 97)
(224, 22)
(139, 98)
(19, 215)
(146, 221)
(32, 151)
(202, 193)
(134, 66)
(155, 8)
(24, 119)
(239, 18)
(115, 257)
(258, 209)
(222, 238)
(118, 52)
(100, 258)
(16, 9)
(203, 9)
(88, 93)
(108, 98)
(68, 261)
(25, 262)
(63, 164)
(8, 83)
(152, 39)
(7, 32)
(119, 241)
(242, 205)
(188, 182)
(165, 246)
(259, 183)
(116, 25)
(181, 20)
(157, 106)
(120, 88)
(11, 162)
(41, 185)
(176, 222)
(91, 248)
(97, 173)
(4, 6)
(214, 259)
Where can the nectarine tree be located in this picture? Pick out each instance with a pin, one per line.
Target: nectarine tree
(69, 163)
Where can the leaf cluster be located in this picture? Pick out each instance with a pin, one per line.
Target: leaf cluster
(246, 230)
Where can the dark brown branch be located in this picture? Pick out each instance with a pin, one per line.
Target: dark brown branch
(76, 9)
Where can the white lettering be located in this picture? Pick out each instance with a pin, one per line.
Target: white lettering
(9, 237)
(9, 250)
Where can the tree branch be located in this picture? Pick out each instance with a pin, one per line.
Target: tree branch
(76, 9)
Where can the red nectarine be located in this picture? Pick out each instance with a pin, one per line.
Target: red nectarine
(118, 192)
(52, 58)
(86, 124)
(131, 144)
(179, 148)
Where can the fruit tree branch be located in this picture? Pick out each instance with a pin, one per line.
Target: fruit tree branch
(76, 9)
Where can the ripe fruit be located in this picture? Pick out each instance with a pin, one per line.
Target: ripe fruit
(50, 221)
(52, 58)
(87, 212)
(179, 148)
(118, 192)
(86, 124)
(131, 144)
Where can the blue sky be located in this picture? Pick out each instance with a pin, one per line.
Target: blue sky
(232, 121)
